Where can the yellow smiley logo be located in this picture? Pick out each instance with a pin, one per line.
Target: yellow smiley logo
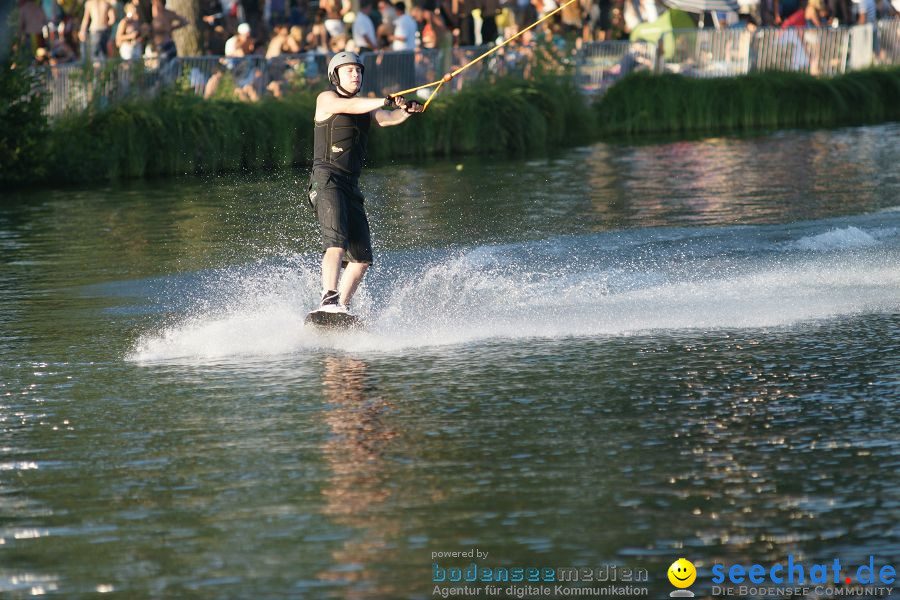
(682, 573)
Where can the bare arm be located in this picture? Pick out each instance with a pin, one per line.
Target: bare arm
(812, 14)
(386, 118)
(120, 33)
(85, 21)
(394, 36)
(176, 20)
(329, 103)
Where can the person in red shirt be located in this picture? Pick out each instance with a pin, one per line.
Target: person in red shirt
(796, 19)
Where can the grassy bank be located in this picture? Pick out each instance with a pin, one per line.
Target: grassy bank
(509, 117)
(180, 133)
(643, 104)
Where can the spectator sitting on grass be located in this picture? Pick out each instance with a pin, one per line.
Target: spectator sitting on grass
(551, 48)
(317, 38)
(795, 19)
(241, 44)
(296, 33)
(282, 43)
(816, 14)
(246, 74)
(60, 50)
(237, 46)
(337, 44)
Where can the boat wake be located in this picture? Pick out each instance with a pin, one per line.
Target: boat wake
(607, 284)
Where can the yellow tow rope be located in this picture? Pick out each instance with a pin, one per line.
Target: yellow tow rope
(449, 76)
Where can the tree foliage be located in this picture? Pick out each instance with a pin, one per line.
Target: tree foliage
(23, 126)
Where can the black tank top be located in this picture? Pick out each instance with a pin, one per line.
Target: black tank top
(340, 141)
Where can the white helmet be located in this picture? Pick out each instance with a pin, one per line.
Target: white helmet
(340, 59)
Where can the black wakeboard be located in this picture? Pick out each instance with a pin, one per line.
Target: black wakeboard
(329, 321)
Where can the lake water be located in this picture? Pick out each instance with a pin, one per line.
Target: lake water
(617, 356)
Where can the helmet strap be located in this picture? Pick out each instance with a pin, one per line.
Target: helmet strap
(344, 93)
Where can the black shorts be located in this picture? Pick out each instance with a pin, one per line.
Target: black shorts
(342, 216)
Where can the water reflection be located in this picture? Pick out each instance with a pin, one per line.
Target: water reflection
(144, 229)
(750, 180)
(358, 493)
(757, 418)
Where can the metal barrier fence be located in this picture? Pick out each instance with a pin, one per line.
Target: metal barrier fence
(252, 77)
(707, 53)
(598, 65)
(387, 72)
(887, 42)
(862, 46)
(813, 51)
(76, 86)
(729, 52)
(694, 53)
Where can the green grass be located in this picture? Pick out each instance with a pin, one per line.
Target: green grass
(179, 133)
(508, 117)
(643, 104)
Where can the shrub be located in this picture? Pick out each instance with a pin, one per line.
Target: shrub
(23, 126)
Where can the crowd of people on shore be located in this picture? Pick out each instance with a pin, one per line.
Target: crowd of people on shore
(286, 45)
(59, 31)
(63, 31)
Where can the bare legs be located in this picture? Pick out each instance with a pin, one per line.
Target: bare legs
(331, 271)
(353, 274)
(331, 268)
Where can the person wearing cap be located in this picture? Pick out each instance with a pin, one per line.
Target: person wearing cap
(240, 44)
(342, 122)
